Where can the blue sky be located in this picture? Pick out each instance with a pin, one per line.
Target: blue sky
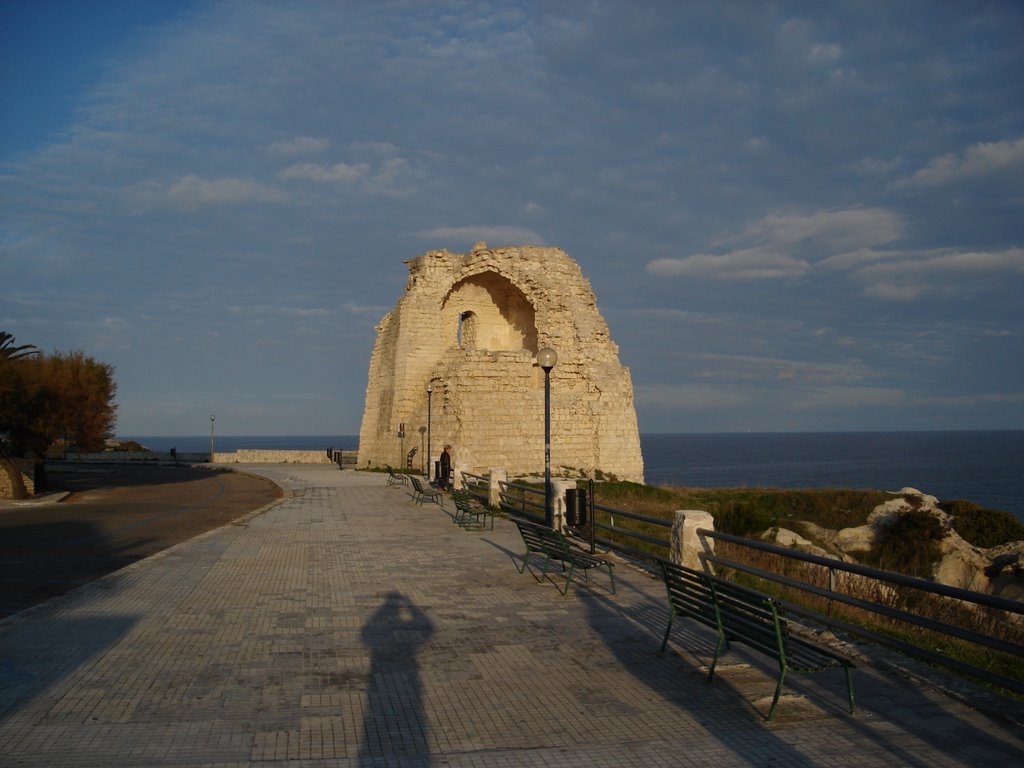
(795, 216)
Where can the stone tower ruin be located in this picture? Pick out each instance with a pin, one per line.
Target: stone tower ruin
(469, 325)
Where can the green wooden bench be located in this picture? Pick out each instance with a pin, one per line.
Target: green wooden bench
(421, 493)
(745, 616)
(395, 479)
(469, 513)
(554, 546)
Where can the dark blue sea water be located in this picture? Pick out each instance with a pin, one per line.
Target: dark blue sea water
(984, 467)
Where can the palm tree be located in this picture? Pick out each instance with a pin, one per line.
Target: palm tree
(10, 352)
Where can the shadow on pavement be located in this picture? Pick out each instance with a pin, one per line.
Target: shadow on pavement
(395, 724)
(58, 649)
(114, 516)
(898, 715)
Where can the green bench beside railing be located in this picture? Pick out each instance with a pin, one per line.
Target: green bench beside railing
(554, 546)
(469, 513)
(395, 479)
(422, 493)
(742, 615)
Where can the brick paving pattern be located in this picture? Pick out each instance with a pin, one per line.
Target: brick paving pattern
(346, 626)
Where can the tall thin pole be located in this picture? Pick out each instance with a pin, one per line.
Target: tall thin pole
(546, 359)
(549, 513)
(212, 419)
(430, 393)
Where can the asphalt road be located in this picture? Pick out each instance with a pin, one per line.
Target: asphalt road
(114, 515)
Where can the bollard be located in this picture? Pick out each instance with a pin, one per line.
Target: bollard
(687, 546)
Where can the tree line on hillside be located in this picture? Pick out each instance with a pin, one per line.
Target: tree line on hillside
(45, 400)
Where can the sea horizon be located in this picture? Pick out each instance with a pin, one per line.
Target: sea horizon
(982, 466)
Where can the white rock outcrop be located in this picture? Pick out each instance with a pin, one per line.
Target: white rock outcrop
(996, 571)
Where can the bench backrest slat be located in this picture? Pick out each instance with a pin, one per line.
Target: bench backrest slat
(749, 615)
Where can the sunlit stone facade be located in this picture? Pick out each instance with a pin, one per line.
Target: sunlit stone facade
(470, 325)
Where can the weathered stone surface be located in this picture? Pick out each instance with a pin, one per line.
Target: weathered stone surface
(7, 490)
(470, 325)
(787, 538)
(998, 571)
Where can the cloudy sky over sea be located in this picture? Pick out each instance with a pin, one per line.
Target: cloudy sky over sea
(794, 215)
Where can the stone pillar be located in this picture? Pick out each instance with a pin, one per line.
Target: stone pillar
(558, 489)
(686, 544)
(497, 475)
(457, 469)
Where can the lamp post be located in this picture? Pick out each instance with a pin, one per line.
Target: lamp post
(430, 392)
(212, 420)
(546, 359)
(423, 431)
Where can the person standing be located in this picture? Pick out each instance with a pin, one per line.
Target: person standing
(446, 468)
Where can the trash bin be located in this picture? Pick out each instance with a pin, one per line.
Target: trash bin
(576, 507)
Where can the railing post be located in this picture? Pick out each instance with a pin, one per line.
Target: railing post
(687, 546)
(497, 476)
(558, 488)
(831, 587)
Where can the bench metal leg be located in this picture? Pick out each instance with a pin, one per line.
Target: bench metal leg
(720, 646)
(849, 686)
(611, 575)
(778, 691)
(568, 579)
(668, 629)
(526, 560)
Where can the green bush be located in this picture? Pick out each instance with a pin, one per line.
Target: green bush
(910, 544)
(745, 520)
(983, 528)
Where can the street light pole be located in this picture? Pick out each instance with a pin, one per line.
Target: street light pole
(423, 431)
(430, 392)
(546, 359)
(212, 419)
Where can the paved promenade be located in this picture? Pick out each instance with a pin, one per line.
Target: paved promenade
(346, 626)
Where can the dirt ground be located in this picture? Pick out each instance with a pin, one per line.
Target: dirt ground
(114, 515)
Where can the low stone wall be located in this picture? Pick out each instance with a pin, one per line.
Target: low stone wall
(121, 457)
(6, 491)
(259, 456)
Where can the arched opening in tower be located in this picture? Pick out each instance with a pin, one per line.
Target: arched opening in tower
(488, 312)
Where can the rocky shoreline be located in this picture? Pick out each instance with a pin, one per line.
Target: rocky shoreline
(996, 571)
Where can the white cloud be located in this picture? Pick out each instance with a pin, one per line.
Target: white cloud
(910, 275)
(189, 192)
(824, 53)
(842, 397)
(761, 368)
(300, 145)
(844, 229)
(966, 262)
(749, 264)
(787, 243)
(856, 258)
(687, 397)
(495, 235)
(979, 160)
(374, 147)
(339, 172)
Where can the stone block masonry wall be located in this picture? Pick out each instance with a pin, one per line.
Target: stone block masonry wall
(257, 456)
(470, 326)
(6, 490)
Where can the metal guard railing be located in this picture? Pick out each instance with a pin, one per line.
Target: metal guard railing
(922, 585)
(519, 500)
(527, 501)
(477, 486)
